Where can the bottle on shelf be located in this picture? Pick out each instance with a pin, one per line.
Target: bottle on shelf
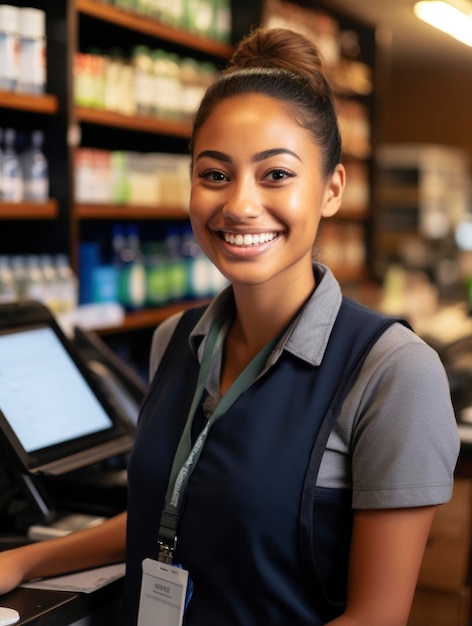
(143, 79)
(34, 280)
(32, 51)
(18, 268)
(176, 267)
(222, 20)
(199, 16)
(118, 243)
(8, 47)
(131, 272)
(10, 169)
(120, 180)
(51, 292)
(157, 291)
(35, 170)
(197, 266)
(8, 291)
(67, 284)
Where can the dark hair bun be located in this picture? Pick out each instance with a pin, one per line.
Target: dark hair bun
(278, 48)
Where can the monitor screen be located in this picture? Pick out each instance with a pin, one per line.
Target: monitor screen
(43, 395)
(53, 414)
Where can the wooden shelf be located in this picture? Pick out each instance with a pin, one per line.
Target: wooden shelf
(119, 211)
(152, 27)
(29, 210)
(147, 318)
(41, 103)
(141, 124)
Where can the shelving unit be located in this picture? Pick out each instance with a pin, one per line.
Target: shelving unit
(150, 318)
(29, 227)
(115, 211)
(93, 126)
(423, 197)
(41, 103)
(29, 210)
(114, 15)
(44, 104)
(141, 124)
(59, 225)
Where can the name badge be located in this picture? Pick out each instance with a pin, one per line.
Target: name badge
(163, 593)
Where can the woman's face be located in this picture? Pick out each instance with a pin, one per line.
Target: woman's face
(257, 191)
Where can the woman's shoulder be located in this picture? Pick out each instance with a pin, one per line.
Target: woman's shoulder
(400, 344)
(401, 359)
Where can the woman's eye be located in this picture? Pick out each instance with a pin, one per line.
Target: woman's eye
(214, 176)
(276, 175)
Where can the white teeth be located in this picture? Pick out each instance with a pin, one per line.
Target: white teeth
(247, 239)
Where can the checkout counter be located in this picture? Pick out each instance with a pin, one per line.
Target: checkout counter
(39, 607)
(98, 492)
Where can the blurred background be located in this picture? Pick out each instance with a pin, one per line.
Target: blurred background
(96, 104)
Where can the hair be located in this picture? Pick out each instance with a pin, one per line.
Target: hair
(288, 67)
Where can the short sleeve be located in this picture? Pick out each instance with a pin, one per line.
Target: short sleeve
(405, 440)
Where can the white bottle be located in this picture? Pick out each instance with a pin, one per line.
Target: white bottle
(10, 169)
(67, 285)
(18, 268)
(32, 51)
(35, 170)
(51, 283)
(8, 47)
(7, 282)
(34, 280)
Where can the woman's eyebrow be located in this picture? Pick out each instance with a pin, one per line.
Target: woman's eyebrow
(215, 154)
(267, 154)
(259, 156)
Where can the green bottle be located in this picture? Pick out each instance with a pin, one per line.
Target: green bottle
(132, 275)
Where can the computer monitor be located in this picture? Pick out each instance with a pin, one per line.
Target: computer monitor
(54, 417)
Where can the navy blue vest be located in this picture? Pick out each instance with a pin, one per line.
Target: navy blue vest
(262, 543)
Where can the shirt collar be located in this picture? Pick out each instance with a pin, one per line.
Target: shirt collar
(308, 334)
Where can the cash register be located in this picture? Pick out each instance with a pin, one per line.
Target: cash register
(68, 411)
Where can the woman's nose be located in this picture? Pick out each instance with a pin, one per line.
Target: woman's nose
(242, 202)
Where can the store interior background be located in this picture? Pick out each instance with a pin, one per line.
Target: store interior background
(422, 97)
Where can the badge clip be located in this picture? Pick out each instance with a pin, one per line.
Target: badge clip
(166, 552)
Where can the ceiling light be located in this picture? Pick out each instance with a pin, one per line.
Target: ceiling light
(446, 18)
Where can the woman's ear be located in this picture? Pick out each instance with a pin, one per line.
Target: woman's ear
(333, 194)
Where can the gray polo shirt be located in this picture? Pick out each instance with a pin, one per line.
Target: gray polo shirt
(395, 442)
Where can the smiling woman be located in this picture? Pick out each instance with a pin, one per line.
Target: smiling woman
(293, 445)
(254, 212)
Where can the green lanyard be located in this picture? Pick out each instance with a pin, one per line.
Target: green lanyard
(186, 456)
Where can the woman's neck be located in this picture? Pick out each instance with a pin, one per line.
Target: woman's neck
(262, 311)
(260, 315)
